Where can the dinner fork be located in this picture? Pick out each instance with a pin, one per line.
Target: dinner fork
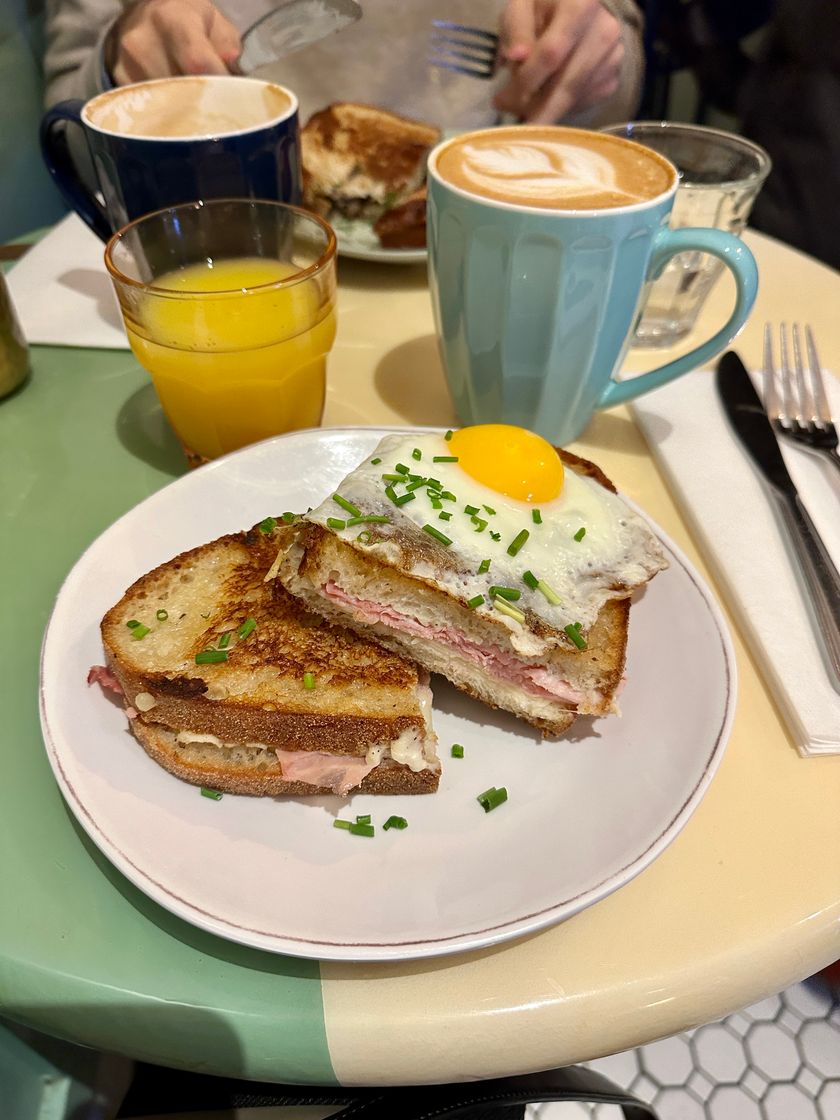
(468, 50)
(794, 393)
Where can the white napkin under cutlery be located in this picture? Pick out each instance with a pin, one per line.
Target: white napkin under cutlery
(727, 504)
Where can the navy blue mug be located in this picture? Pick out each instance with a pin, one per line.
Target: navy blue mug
(159, 143)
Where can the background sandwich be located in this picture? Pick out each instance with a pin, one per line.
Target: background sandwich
(231, 683)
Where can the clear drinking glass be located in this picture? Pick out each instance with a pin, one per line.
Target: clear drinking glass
(720, 177)
(229, 304)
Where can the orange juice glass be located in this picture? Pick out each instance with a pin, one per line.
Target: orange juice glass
(229, 304)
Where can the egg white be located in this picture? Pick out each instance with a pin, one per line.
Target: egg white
(617, 552)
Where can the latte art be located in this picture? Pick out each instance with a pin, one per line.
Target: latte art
(554, 168)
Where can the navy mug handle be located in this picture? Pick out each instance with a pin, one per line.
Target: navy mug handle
(56, 152)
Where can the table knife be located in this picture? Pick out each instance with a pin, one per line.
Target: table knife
(293, 24)
(750, 423)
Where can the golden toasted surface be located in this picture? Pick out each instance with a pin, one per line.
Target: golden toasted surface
(215, 598)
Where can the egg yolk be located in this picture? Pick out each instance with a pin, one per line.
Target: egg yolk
(510, 460)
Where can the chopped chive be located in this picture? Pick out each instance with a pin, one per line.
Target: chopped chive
(395, 822)
(573, 631)
(536, 517)
(434, 484)
(336, 523)
(548, 591)
(375, 462)
(436, 503)
(267, 525)
(339, 823)
(471, 510)
(416, 478)
(444, 458)
(415, 484)
(448, 435)
(444, 515)
(496, 536)
(247, 627)
(417, 454)
(211, 656)
(436, 533)
(139, 631)
(363, 818)
(132, 624)
(507, 609)
(490, 510)
(509, 593)
(161, 615)
(483, 567)
(365, 536)
(393, 477)
(358, 829)
(492, 798)
(345, 505)
(476, 601)
(457, 750)
(480, 524)
(224, 639)
(289, 517)
(517, 542)
(368, 519)
(402, 499)
(309, 681)
(213, 794)
(402, 468)
(530, 580)
(580, 534)
(447, 497)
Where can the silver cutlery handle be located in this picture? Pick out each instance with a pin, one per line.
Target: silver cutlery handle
(821, 576)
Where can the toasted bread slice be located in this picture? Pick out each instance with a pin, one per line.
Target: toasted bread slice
(404, 226)
(289, 699)
(358, 160)
(400, 586)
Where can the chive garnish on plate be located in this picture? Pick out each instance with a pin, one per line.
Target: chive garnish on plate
(580, 534)
(309, 680)
(357, 829)
(506, 608)
(395, 822)
(492, 798)
(444, 458)
(267, 525)
(476, 601)
(457, 750)
(161, 615)
(224, 639)
(536, 517)
(213, 794)
(436, 533)
(517, 542)
(573, 631)
(509, 593)
(336, 523)
(483, 567)
(247, 627)
(530, 580)
(211, 656)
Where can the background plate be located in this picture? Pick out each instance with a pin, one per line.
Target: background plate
(584, 814)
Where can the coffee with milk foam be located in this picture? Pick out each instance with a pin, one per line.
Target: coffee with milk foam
(183, 108)
(554, 168)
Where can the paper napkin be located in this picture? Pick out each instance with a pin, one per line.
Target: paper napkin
(62, 292)
(729, 508)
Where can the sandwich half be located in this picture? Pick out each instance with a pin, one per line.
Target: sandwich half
(489, 558)
(232, 684)
(359, 161)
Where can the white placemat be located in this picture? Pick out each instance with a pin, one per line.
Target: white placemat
(62, 292)
(729, 508)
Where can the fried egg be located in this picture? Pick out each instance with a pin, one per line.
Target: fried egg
(516, 533)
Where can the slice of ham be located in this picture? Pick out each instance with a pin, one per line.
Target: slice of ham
(538, 680)
(340, 773)
(105, 678)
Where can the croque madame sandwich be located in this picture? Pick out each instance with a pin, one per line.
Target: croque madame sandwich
(486, 556)
(231, 683)
(360, 161)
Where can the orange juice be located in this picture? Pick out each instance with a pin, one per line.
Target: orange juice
(235, 355)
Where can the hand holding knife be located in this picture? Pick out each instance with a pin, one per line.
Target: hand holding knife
(750, 422)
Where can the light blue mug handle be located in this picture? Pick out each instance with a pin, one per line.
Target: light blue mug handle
(740, 262)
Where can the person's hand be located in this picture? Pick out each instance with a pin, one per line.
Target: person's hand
(160, 38)
(563, 56)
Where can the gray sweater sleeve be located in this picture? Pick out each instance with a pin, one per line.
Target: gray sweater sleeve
(75, 31)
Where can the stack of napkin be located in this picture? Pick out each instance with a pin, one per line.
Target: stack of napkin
(62, 292)
(730, 511)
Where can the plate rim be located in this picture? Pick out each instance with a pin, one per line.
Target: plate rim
(391, 950)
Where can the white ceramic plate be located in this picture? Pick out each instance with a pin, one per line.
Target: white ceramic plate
(356, 239)
(583, 817)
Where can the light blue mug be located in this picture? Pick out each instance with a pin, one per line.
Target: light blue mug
(535, 305)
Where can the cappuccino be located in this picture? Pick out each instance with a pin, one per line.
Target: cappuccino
(194, 108)
(553, 168)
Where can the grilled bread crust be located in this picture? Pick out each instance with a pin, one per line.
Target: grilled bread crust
(364, 696)
(315, 555)
(357, 159)
(258, 773)
(403, 226)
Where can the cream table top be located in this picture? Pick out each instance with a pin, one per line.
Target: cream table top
(744, 902)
